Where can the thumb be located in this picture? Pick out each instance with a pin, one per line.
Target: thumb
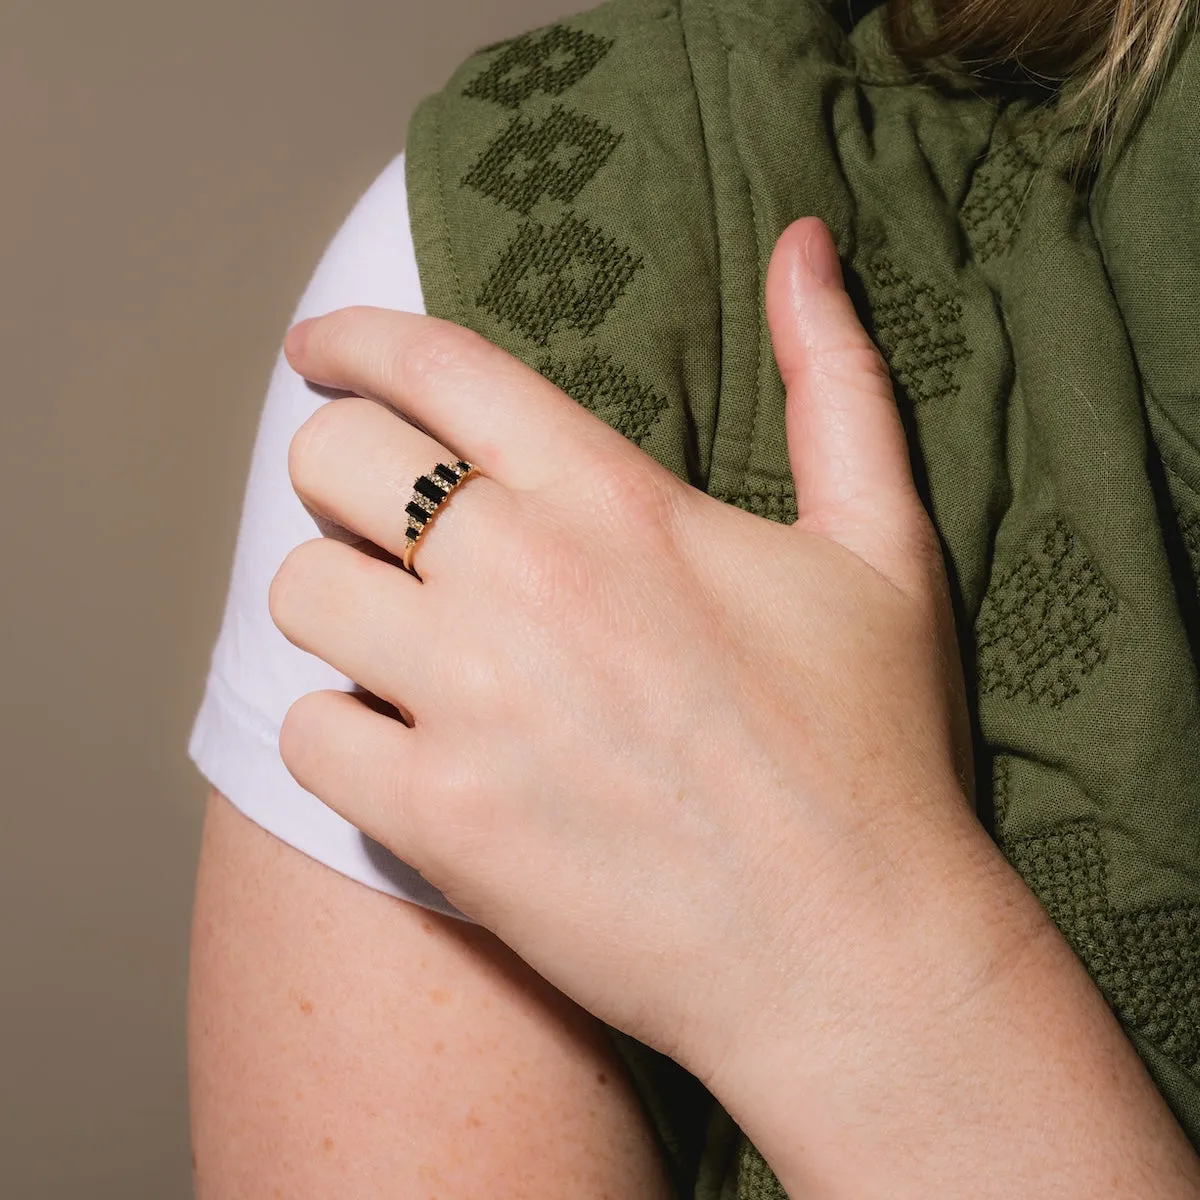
(846, 443)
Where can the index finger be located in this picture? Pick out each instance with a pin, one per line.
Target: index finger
(476, 399)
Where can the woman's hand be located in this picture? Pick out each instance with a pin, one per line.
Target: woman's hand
(708, 774)
(691, 764)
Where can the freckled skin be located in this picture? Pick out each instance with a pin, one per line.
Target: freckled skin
(415, 1047)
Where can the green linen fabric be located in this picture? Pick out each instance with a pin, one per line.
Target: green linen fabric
(601, 197)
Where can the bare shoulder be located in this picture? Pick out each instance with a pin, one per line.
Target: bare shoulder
(343, 1043)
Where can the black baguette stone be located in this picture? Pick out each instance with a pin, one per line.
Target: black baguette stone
(447, 473)
(417, 513)
(427, 487)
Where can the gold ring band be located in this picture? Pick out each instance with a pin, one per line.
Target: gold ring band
(430, 492)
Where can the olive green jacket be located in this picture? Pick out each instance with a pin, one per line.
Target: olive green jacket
(601, 198)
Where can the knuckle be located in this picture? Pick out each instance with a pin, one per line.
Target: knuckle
(437, 347)
(631, 514)
(340, 335)
(855, 362)
(355, 348)
(307, 447)
(292, 581)
(298, 735)
(627, 494)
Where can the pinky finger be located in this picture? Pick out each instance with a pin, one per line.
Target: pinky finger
(359, 762)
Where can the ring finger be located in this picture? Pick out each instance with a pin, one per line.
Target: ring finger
(355, 462)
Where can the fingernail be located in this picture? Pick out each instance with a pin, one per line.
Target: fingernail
(822, 258)
(293, 343)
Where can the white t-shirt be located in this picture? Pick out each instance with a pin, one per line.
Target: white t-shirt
(256, 673)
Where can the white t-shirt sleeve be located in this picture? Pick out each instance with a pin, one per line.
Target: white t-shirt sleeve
(256, 673)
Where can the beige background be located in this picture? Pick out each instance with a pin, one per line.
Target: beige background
(170, 174)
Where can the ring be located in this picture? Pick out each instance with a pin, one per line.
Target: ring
(428, 495)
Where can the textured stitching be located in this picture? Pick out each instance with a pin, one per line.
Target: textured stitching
(1147, 963)
(918, 328)
(991, 213)
(555, 157)
(1043, 627)
(570, 274)
(776, 503)
(1066, 868)
(607, 389)
(1155, 980)
(755, 1179)
(551, 63)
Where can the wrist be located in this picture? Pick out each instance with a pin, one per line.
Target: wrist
(950, 1037)
(844, 1077)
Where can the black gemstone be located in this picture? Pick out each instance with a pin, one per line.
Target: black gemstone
(427, 487)
(417, 513)
(463, 466)
(447, 473)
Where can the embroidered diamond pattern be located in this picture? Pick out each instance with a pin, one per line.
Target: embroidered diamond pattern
(607, 389)
(569, 274)
(1043, 627)
(917, 326)
(555, 157)
(552, 62)
(991, 213)
(1146, 962)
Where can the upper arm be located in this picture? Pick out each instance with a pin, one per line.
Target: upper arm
(344, 1043)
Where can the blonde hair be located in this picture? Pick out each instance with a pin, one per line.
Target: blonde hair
(1113, 50)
